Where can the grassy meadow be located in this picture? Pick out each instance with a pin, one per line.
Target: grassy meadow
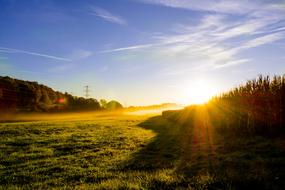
(132, 151)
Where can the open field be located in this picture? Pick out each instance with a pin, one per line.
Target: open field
(131, 151)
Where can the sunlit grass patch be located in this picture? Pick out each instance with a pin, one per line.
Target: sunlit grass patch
(64, 153)
(135, 152)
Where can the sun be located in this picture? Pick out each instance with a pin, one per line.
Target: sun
(198, 92)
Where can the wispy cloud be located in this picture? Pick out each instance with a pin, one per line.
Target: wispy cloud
(217, 6)
(12, 50)
(224, 6)
(232, 63)
(130, 48)
(62, 68)
(78, 54)
(263, 40)
(76, 57)
(106, 15)
(218, 40)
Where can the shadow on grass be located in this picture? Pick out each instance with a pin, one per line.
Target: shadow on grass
(205, 159)
(162, 151)
(178, 145)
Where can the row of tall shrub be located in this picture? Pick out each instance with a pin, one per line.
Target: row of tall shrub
(256, 106)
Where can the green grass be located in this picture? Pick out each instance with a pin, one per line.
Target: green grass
(120, 151)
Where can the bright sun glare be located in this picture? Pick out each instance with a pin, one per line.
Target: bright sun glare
(198, 92)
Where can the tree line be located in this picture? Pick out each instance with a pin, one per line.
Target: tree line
(25, 96)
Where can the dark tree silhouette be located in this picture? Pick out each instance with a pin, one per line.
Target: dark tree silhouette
(19, 95)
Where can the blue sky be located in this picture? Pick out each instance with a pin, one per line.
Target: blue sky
(142, 51)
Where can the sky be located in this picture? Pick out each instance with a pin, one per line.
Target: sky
(142, 52)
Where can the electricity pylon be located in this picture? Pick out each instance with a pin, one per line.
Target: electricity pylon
(87, 91)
